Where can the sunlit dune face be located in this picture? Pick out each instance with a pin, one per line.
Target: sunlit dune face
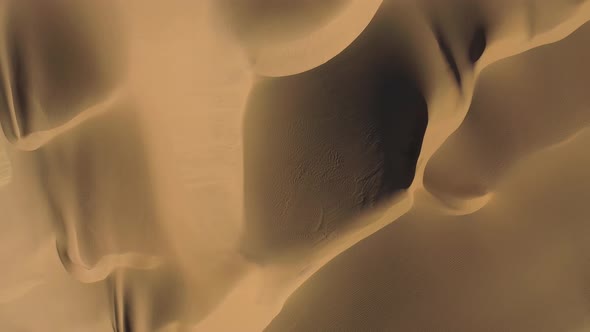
(190, 165)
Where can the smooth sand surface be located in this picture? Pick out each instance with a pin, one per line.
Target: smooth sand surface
(344, 165)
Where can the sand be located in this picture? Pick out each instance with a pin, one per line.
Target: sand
(254, 166)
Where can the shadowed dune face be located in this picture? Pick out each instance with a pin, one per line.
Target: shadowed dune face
(262, 21)
(294, 166)
(461, 32)
(276, 36)
(92, 217)
(322, 146)
(59, 58)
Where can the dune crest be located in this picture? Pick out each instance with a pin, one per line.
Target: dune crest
(193, 170)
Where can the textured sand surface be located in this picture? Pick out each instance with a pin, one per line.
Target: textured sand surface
(256, 165)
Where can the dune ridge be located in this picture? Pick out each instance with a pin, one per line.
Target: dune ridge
(155, 221)
(447, 109)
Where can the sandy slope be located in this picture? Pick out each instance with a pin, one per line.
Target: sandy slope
(194, 165)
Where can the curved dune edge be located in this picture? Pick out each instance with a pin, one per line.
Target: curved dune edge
(454, 206)
(460, 206)
(446, 120)
(559, 144)
(38, 139)
(448, 116)
(303, 54)
(74, 264)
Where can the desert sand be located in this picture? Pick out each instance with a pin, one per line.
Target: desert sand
(256, 165)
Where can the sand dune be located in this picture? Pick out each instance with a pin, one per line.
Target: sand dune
(326, 166)
(57, 61)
